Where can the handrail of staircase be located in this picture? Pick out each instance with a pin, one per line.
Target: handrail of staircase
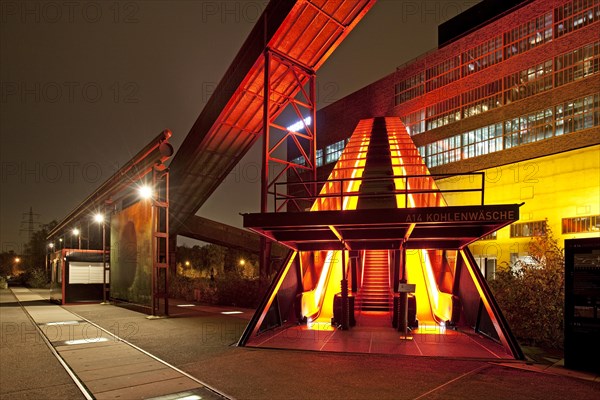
(287, 197)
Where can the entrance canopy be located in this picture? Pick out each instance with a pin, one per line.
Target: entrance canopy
(447, 228)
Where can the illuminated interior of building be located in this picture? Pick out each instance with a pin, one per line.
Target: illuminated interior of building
(381, 221)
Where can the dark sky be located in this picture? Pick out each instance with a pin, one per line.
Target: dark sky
(86, 84)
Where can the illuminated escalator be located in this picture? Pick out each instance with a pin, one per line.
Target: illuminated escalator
(434, 307)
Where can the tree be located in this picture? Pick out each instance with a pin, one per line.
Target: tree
(37, 248)
(7, 261)
(531, 293)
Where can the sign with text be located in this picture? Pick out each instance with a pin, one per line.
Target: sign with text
(406, 287)
(482, 215)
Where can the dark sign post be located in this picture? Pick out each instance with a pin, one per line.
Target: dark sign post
(582, 304)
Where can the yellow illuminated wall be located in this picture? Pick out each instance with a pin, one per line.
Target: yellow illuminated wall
(554, 187)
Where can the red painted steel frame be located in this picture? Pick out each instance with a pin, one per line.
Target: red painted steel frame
(305, 142)
(160, 239)
(299, 36)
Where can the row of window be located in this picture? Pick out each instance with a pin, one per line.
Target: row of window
(562, 69)
(528, 35)
(564, 118)
(574, 15)
(587, 224)
(542, 29)
(332, 153)
(581, 224)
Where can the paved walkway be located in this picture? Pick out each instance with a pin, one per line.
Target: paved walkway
(101, 364)
(198, 342)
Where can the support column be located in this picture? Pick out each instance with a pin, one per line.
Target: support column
(403, 295)
(160, 240)
(265, 254)
(300, 100)
(344, 287)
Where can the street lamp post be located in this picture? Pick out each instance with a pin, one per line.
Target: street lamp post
(77, 233)
(100, 219)
(48, 252)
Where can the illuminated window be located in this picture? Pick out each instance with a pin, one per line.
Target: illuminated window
(568, 117)
(581, 224)
(415, 122)
(491, 236)
(334, 151)
(529, 128)
(319, 157)
(443, 113)
(577, 114)
(577, 64)
(442, 74)
(410, 88)
(299, 160)
(528, 82)
(482, 56)
(527, 36)
(482, 99)
(533, 33)
(575, 15)
(528, 229)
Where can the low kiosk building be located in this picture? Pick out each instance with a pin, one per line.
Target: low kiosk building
(77, 276)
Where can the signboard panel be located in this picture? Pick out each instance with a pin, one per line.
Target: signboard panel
(406, 287)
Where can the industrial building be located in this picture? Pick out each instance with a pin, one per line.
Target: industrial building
(513, 91)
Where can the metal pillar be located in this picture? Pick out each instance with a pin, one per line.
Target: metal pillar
(345, 306)
(278, 138)
(403, 300)
(104, 288)
(160, 239)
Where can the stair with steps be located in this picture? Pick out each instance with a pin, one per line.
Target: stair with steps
(375, 294)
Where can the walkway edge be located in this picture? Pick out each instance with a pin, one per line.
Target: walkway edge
(62, 362)
(207, 386)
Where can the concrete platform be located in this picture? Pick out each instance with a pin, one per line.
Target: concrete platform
(106, 366)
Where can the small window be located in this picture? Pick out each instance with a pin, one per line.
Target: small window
(528, 229)
(491, 236)
(581, 224)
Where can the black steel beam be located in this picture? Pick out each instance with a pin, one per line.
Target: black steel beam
(210, 231)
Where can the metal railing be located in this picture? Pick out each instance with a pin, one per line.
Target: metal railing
(283, 194)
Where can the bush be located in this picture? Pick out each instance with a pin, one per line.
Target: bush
(36, 278)
(192, 289)
(230, 289)
(236, 290)
(531, 294)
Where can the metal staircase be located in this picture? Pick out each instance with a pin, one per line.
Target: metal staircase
(375, 294)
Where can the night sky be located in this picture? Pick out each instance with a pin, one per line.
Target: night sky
(86, 84)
